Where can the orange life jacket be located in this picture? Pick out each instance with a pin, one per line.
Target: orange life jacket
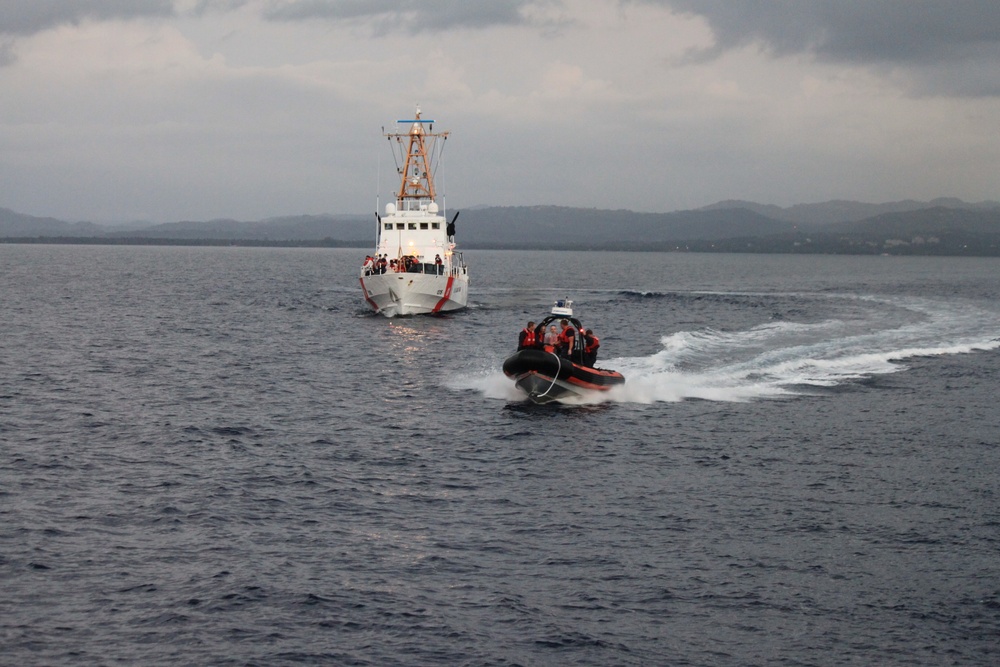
(529, 337)
(566, 337)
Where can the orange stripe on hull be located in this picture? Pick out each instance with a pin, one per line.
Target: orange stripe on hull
(364, 290)
(447, 295)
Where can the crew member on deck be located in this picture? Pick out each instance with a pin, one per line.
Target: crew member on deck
(526, 339)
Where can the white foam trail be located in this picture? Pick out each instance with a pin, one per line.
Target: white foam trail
(780, 359)
(785, 358)
(490, 383)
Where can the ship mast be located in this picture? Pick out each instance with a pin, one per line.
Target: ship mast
(417, 176)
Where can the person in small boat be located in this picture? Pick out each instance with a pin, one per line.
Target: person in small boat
(551, 337)
(567, 338)
(590, 345)
(526, 339)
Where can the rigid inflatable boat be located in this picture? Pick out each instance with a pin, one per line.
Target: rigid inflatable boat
(546, 376)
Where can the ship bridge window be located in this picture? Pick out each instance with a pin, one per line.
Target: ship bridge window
(400, 225)
(388, 225)
(423, 225)
(413, 225)
(435, 225)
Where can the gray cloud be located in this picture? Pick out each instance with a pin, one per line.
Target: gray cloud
(930, 46)
(21, 18)
(7, 56)
(204, 6)
(426, 15)
(257, 108)
(898, 31)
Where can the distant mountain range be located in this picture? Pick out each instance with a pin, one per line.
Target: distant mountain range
(847, 211)
(940, 226)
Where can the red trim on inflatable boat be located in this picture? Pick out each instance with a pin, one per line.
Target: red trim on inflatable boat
(588, 385)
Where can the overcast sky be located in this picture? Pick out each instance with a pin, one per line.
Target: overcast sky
(115, 110)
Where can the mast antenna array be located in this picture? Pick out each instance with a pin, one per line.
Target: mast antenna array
(417, 150)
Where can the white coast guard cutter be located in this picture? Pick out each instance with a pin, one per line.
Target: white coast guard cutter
(416, 269)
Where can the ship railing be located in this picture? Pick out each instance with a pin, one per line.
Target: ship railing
(420, 267)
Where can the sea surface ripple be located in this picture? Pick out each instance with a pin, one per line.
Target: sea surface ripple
(217, 456)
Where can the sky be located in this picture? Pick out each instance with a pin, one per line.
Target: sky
(163, 110)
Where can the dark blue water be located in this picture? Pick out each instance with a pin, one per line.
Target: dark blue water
(217, 456)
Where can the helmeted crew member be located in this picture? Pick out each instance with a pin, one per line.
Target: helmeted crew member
(590, 345)
(527, 337)
(564, 344)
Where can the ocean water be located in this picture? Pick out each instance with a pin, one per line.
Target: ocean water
(219, 456)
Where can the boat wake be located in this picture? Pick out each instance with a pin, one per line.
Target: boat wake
(782, 359)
